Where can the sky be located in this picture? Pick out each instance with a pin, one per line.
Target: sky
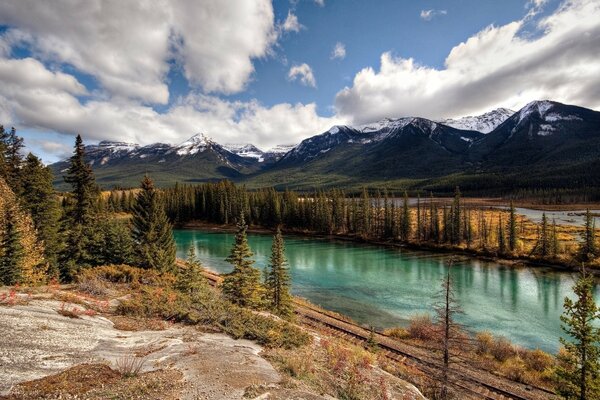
(276, 72)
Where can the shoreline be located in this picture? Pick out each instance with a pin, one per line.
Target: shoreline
(513, 262)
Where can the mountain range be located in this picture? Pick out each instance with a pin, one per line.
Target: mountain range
(546, 144)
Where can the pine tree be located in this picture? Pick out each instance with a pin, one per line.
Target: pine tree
(242, 286)
(455, 231)
(543, 245)
(419, 221)
(20, 249)
(501, 238)
(278, 279)
(85, 191)
(189, 278)
(152, 232)
(40, 199)
(13, 160)
(587, 248)
(405, 222)
(578, 374)
(117, 244)
(512, 228)
(11, 252)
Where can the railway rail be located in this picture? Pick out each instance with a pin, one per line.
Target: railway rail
(462, 378)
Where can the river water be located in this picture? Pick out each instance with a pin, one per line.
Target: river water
(384, 286)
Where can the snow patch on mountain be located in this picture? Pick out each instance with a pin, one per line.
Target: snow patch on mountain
(245, 150)
(195, 144)
(553, 117)
(484, 123)
(281, 149)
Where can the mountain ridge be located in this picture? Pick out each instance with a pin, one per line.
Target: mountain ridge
(407, 151)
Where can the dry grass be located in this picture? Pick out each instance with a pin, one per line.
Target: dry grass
(130, 365)
(335, 368)
(99, 382)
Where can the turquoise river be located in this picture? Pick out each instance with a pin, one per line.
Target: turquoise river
(384, 287)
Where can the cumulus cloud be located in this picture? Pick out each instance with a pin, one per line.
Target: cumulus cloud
(339, 51)
(494, 68)
(428, 15)
(291, 23)
(320, 3)
(38, 99)
(304, 73)
(127, 46)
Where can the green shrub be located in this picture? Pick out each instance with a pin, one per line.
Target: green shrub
(204, 306)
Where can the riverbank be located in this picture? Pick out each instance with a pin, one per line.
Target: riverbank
(480, 254)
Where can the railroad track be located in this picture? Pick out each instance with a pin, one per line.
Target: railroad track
(463, 378)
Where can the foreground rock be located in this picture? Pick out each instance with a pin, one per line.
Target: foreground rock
(39, 342)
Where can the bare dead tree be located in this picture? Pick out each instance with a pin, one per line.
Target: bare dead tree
(451, 332)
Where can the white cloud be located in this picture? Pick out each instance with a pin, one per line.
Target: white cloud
(339, 51)
(127, 45)
(428, 15)
(320, 3)
(291, 23)
(496, 67)
(304, 73)
(38, 99)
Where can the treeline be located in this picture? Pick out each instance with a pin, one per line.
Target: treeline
(380, 216)
(49, 236)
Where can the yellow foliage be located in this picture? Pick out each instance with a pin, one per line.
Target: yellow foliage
(33, 266)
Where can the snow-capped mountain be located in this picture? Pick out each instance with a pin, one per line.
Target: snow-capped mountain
(198, 158)
(539, 132)
(106, 151)
(545, 142)
(451, 139)
(484, 123)
(247, 150)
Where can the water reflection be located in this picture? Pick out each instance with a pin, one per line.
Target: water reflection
(383, 287)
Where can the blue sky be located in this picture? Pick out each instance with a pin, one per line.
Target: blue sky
(264, 72)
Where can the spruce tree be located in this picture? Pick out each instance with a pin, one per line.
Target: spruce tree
(80, 230)
(189, 278)
(587, 248)
(512, 228)
(578, 374)
(152, 232)
(85, 191)
(40, 199)
(278, 279)
(13, 160)
(543, 245)
(501, 238)
(455, 231)
(242, 286)
(117, 245)
(11, 252)
(405, 222)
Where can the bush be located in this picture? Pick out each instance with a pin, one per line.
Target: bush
(422, 327)
(484, 342)
(498, 347)
(397, 333)
(514, 368)
(538, 360)
(126, 274)
(206, 307)
(502, 349)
